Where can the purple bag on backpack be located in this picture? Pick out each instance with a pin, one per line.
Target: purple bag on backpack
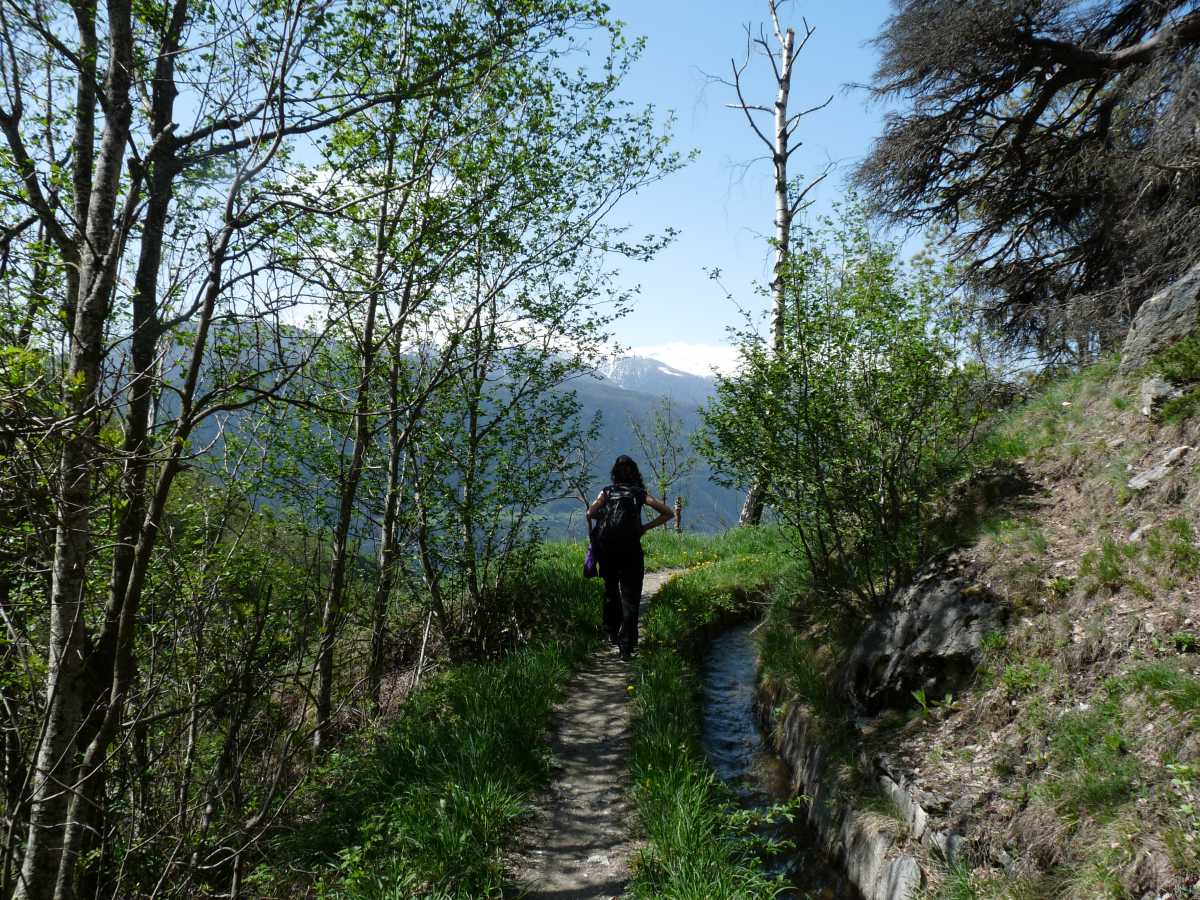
(589, 563)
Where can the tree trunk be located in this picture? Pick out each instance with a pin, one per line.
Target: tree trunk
(752, 509)
(54, 765)
(87, 818)
(387, 540)
(331, 615)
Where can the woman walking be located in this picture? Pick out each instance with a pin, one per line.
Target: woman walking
(617, 538)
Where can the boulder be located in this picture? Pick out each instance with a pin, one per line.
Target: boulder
(1155, 392)
(1169, 315)
(927, 638)
(1143, 480)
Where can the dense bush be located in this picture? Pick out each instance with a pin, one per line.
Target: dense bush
(861, 415)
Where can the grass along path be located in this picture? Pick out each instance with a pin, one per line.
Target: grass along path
(428, 803)
(697, 845)
(580, 843)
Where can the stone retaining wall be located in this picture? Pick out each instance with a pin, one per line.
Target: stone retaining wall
(870, 846)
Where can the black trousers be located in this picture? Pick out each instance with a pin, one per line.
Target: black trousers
(623, 574)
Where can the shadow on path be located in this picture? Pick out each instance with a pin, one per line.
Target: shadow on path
(579, 844)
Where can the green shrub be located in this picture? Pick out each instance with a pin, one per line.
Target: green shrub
(1180, 364)
(858, 416)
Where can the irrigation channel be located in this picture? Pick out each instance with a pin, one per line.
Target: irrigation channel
(740, 756)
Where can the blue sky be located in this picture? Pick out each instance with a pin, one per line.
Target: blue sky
(723, 209)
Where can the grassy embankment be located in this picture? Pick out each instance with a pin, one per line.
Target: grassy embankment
(428, 804)
(696, 846)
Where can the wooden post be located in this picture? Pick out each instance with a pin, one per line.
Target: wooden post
(679, 515)
(421, 658)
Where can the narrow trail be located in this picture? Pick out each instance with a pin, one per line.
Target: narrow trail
(579, 843)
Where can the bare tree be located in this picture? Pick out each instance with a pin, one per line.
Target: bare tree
(779, 139)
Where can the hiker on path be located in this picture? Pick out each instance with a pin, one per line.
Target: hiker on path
(617, 540)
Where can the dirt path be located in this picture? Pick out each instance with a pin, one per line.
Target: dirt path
(579, 844)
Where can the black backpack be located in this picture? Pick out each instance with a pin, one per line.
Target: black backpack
(619, 525)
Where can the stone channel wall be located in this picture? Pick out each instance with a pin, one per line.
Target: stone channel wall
(876, 851)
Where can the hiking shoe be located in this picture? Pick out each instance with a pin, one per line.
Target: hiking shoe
(628, 653)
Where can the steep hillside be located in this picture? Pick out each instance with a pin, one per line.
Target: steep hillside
(1069, 766)
(1075, 761)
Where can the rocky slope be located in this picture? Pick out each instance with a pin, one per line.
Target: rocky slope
(1027, 718)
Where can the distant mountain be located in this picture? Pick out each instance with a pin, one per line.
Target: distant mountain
(649, 376)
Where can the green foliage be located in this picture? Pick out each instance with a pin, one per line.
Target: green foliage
(1093, 770)
(1000, 444)
(694, 850)
(1186, 641)
(922, 701)
(432, 807)
(958, 883)
(738, 556)
(1094, 764)
(1023, 677)
(1180, 365)
(1166, 554)
(1185, 800)
(802, 647)
(1173, 544)
(490, 450)
(804, 665)
(1037, 426)
(664, 447)
(1106, 566)
(432, 190)
(1018, 531)
(859, 415)
(1170, 682)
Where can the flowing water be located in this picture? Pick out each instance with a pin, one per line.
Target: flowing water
(740, 756)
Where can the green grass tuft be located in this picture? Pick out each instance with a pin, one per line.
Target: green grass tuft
(1173, 684)
(1094, 771)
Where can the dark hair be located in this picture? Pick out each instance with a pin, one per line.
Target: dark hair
(625, 471)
